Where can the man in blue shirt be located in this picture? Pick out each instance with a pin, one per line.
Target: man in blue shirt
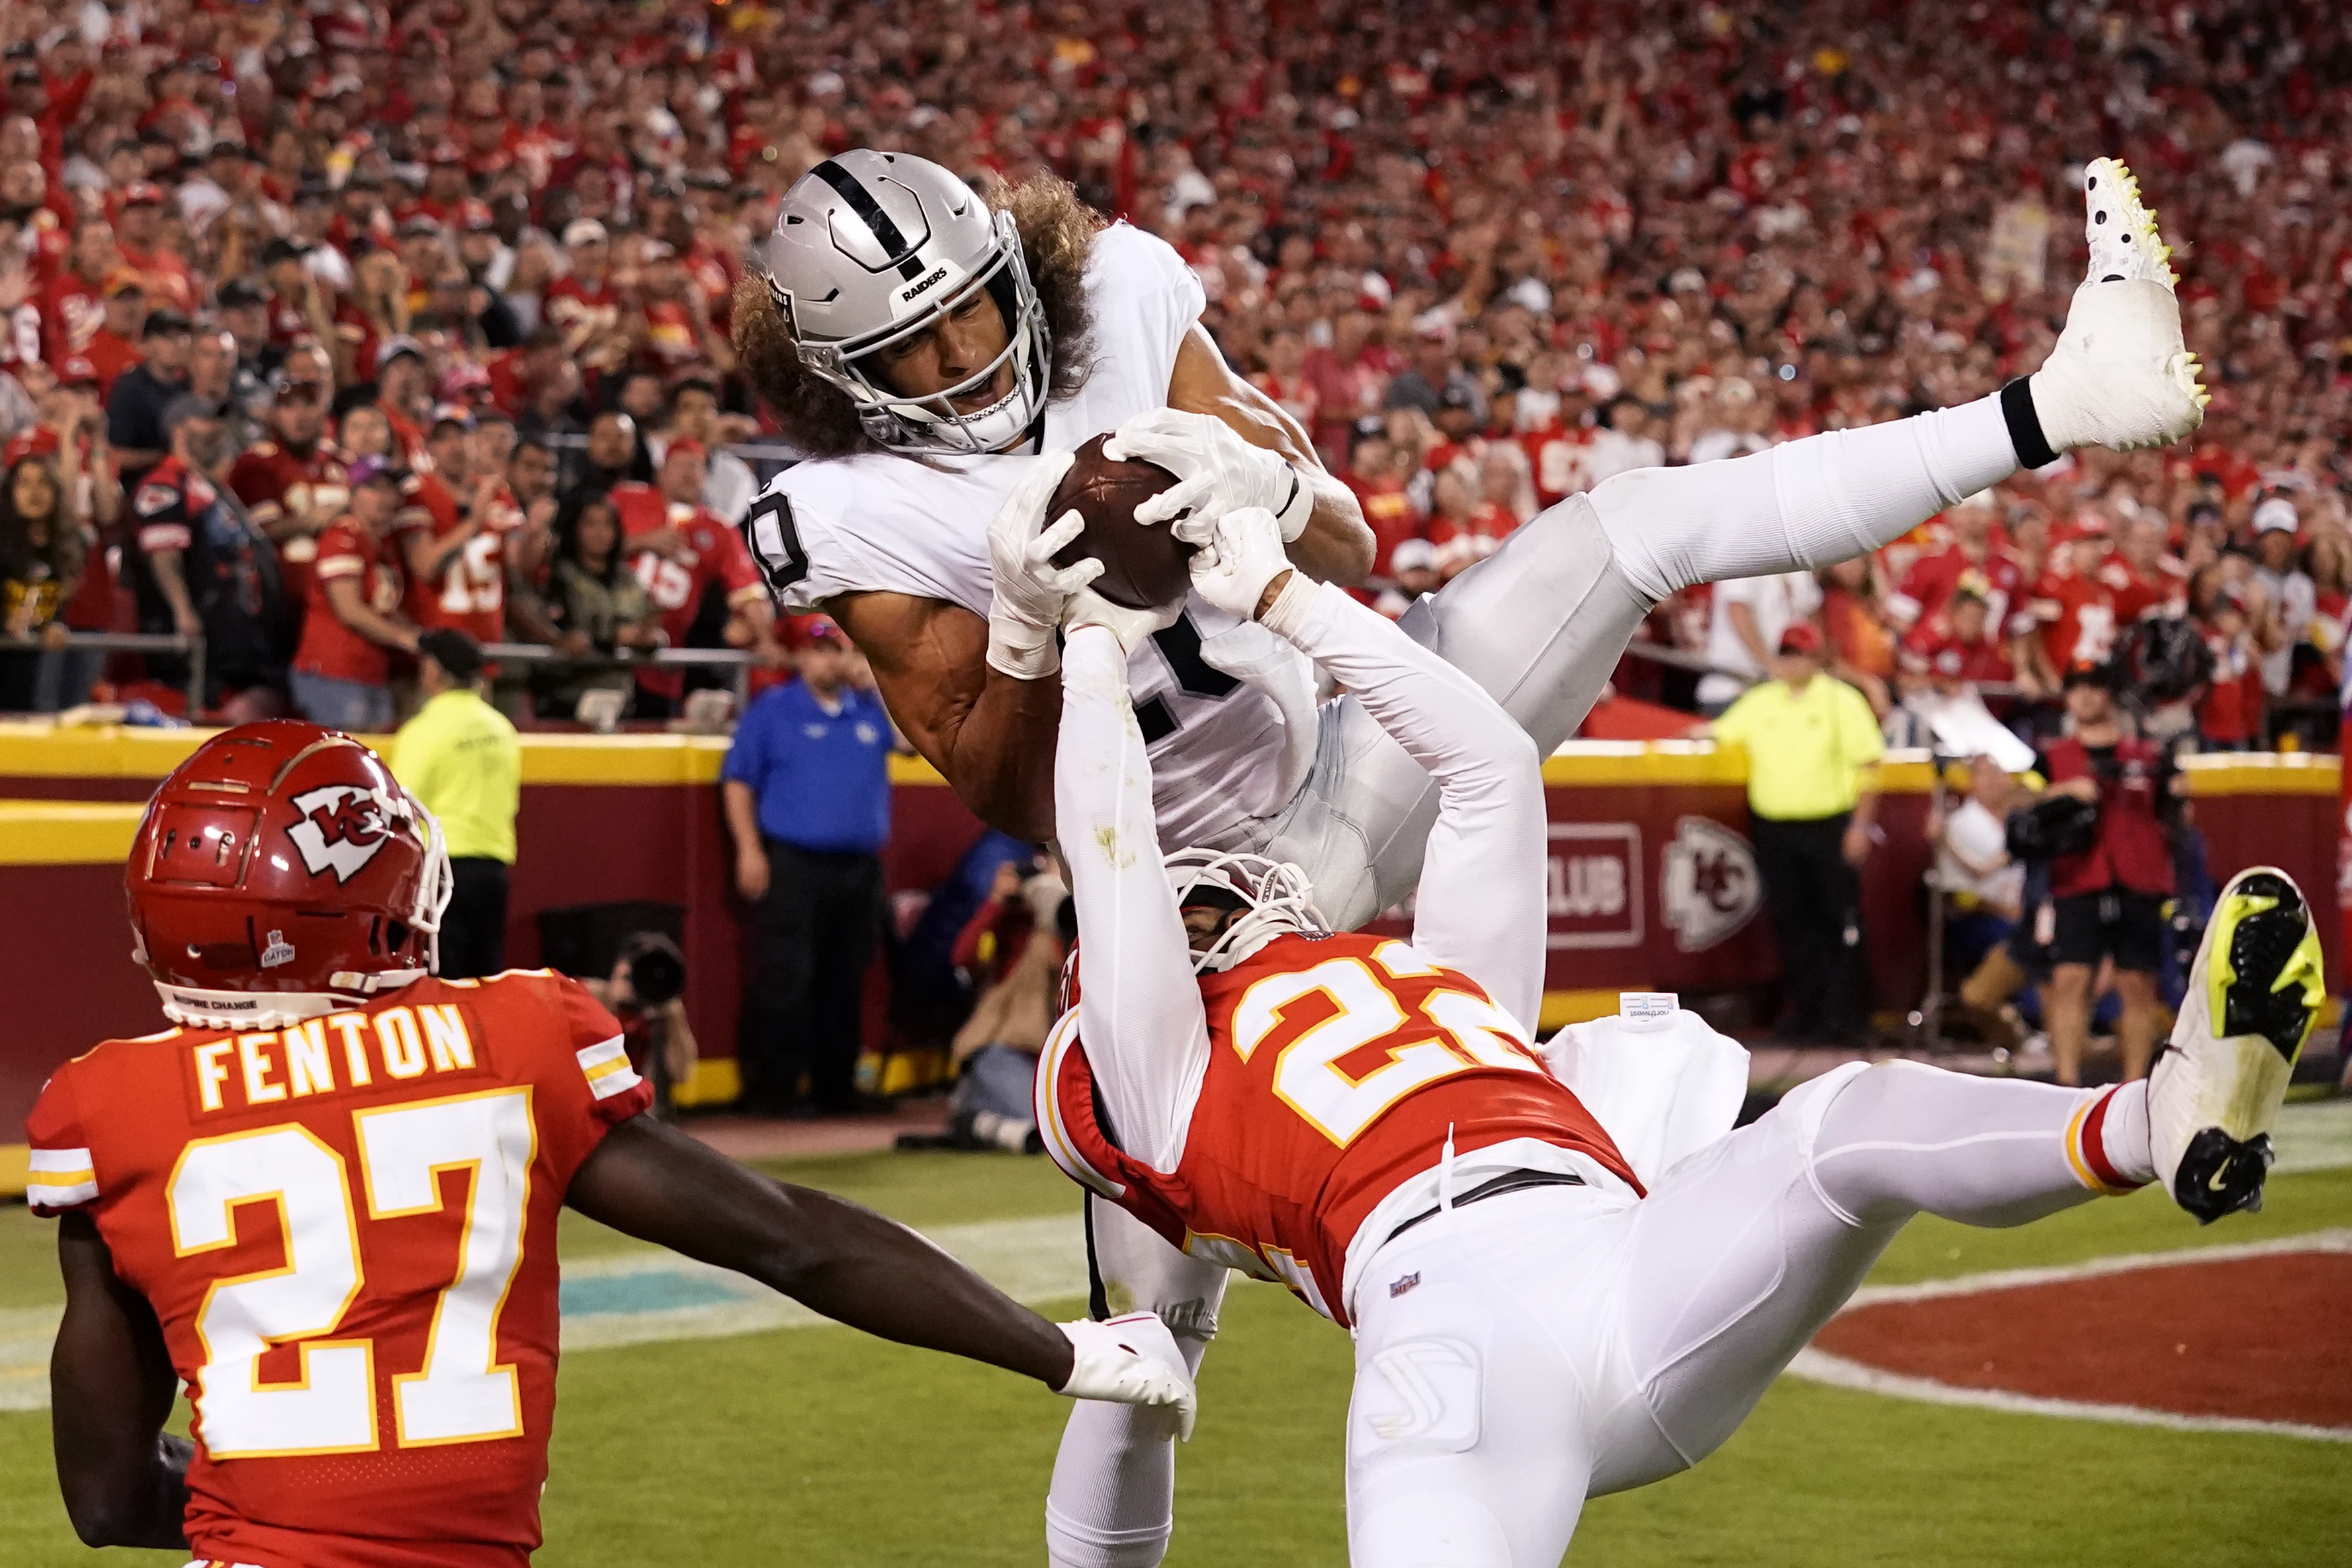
(807, 787)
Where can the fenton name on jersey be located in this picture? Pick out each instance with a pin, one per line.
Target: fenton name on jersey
(341, 1050)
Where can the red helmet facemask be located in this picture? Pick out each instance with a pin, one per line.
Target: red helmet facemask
(282, 872)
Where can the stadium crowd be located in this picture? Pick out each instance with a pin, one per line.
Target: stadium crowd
(327, 324)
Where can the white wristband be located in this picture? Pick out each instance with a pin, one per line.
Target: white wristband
(1293, 513)
(1286, 616)
(1021, 660)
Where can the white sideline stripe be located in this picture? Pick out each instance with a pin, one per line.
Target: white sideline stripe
(2314, 1135)
(1820, 1366)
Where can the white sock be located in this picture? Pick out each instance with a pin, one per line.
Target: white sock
(1803, 504)
(1904, 1138)
(1112, 1501)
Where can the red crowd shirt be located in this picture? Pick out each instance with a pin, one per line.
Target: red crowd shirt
(716, 555)
(1390, 514)
(73, 310)
(1466, 543)
(470, 595)
(2232, 708)
(2162, 590)
(329, 648)
(2078, 619)
(273, 480)
(572, 304)
(1932, 580)
(1940, 653)
(1267, 1186)
(1560, 462)
(370, 1345)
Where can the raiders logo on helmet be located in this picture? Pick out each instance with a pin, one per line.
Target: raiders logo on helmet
(342, 828)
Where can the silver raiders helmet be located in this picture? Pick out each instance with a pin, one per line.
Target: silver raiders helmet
(871, 249)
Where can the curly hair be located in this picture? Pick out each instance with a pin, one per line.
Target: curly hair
(1057, 231)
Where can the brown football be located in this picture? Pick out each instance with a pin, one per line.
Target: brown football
(1145, 565)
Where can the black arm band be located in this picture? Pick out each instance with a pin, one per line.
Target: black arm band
(2034, 450)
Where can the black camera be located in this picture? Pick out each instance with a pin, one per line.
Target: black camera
(656, 968)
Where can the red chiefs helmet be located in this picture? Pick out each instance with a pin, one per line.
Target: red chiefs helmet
(282, 872)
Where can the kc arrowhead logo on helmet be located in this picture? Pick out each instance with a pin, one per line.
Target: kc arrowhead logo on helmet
(238, 933)
(342, 830)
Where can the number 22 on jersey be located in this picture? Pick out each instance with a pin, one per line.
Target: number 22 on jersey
(460, 1395)
(1313, 1075)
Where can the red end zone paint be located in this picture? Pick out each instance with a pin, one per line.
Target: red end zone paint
(2262, 1338)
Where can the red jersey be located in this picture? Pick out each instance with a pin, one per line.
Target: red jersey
(580, 308)
(1465, 543)
(1336, 1066)
(1931, 581)
(273, 480)
(165, 276)
(1560, 463)
(329, 648)
(669, 343)
(1390, 514)
(2162, 590)
(109, 355)
(2230, 711)
(347, 1231)
(2077, 617)
(73, 310)
(716, 552)
(1946, 657)
(470, 595)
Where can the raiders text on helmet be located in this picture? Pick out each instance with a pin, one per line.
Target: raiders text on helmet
(871, 249)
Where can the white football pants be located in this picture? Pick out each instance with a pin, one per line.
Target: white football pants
(1518, 1356)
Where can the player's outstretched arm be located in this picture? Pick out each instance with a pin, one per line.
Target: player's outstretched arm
(857, 1268)
(1230, 444)
(110, 1390)
(1139, 1009)
(991, 735)
(1480, 908)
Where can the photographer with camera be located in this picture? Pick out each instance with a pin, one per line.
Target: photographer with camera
(645, 992)
(1011, 950)
(2109, 881)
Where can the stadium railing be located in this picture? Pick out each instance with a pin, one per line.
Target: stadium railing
(738, 663)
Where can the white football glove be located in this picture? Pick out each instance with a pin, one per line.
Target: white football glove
(1088, 608)
(1131, 1360)
(1031, 592)
(1242, 554)
(1215, 471)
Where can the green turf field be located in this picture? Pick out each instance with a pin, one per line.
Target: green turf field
(819, 1447)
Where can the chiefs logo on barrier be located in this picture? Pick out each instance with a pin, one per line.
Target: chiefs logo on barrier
(1711, 888)
(342, 830)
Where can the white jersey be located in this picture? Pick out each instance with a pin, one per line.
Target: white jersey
(880, 522)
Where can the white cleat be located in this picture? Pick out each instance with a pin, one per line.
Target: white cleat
(2253, 995)
(2121, 375)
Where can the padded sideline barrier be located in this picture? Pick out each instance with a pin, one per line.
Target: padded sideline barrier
(1652, 885)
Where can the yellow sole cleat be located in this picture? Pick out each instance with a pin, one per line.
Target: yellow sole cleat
(2254, 994)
